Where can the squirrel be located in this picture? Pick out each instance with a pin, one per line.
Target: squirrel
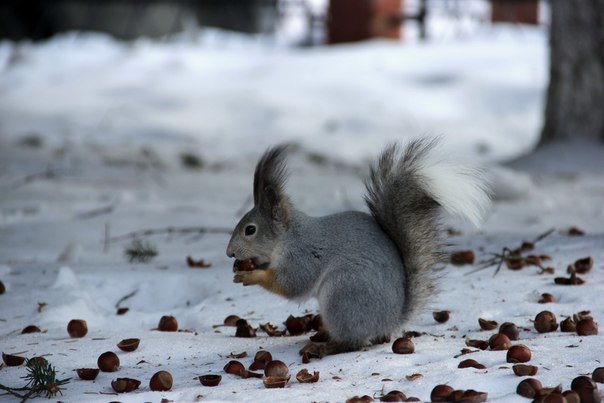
(369, 272)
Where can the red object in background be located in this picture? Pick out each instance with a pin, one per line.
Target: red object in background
(516, 11)
(358, 20)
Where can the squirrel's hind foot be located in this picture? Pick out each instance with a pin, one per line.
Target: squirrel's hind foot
(314, 350)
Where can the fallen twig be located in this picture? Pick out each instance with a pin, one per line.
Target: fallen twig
(509, 255)
(170, 230)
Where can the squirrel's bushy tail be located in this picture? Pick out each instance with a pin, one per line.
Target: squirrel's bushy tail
(405, 192)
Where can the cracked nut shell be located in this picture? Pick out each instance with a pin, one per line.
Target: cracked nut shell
(128, 344)
(87, 374)
(210, 380)
(125, 385)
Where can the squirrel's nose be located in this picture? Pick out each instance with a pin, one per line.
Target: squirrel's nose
(230, 252)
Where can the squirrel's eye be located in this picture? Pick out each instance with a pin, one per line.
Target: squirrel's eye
(250, 230)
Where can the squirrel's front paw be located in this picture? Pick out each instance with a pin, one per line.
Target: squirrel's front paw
(243, 277)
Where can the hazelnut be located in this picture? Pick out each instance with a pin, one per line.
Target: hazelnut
(275, 382)
(296, 325)
(244, 265)
(403, 345)
(524, 370)
(545, 322)
(441, 316)
(128, 344)
(587, 327)
(487, 324)
(210, 380)
(125, 385)
(360, 399)
(546, 298)
(584, 265)
(529, 387)
(30, 329)
(470, 363)
(499, 342)
(161, 381)
(276, 368)
(440, 393)
(518, 353)
(108, 362)
(462, 257)
(598, 375)
(303, 376)
(12, 360)
(583, 382)
(568, 325)
(87, 374)
(168, 323)
(393, 396)
(571, 396)
(470, 396)
(231, 320)
(77, 328)
(481, 344)
(554, 398)
(510, 330)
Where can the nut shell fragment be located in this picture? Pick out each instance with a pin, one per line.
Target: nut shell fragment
(303, 376)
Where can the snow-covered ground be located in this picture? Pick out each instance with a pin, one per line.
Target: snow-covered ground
(92, 133)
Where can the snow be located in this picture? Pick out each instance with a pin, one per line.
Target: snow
(113, 119)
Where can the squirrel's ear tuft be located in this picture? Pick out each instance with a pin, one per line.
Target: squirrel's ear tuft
(269, 184)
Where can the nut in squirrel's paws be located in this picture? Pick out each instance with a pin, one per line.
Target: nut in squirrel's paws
(244, 265)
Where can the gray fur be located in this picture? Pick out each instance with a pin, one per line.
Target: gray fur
(369, 273)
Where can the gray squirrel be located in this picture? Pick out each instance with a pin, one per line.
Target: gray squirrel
(369, 272)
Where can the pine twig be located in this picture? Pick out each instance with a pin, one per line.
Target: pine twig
(41, 380)
(140, 252)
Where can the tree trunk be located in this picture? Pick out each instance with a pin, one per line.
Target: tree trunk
(575, 97)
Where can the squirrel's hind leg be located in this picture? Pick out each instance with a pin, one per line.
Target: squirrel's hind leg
(380, 339)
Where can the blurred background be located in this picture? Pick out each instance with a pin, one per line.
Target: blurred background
(348, 75)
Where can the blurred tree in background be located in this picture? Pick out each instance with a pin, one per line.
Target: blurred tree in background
(575, 97)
